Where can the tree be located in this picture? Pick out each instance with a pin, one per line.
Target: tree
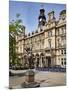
(14, 29)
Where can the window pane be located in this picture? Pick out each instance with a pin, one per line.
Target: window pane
(62, 61)
(61, 51)
(65, 63)
(64, 51)
(49, 33)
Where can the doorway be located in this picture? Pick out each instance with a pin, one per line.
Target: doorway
(49, 61)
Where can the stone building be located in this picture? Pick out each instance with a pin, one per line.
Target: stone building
(48, 42)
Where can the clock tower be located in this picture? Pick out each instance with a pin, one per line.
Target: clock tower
(42, 18)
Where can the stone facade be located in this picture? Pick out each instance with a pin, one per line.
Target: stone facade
(48, 42)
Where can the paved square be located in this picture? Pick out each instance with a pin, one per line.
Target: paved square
(45, 79)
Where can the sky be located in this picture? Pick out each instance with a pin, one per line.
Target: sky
(29, 12)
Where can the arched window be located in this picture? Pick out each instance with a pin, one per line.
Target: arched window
(41, 54)
(37, 55)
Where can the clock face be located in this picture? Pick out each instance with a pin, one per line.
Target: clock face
(40, 19)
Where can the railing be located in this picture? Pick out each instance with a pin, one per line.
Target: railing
(52, 69)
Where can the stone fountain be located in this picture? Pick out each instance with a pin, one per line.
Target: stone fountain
(30, 74)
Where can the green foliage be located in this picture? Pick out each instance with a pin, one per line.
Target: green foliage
(14, 28)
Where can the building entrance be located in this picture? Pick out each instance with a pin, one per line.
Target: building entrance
(48, 61)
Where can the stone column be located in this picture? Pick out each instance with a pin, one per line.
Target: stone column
(35, 63)
(41, 62)
(52, 61)
(44, 61)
